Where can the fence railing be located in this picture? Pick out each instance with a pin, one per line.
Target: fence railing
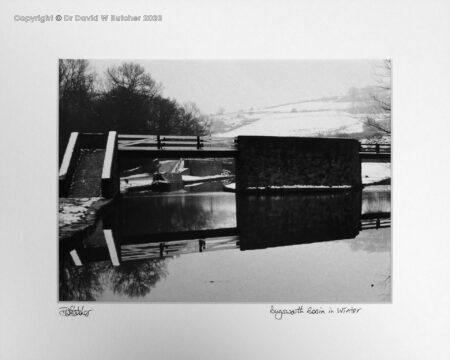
(167, 142)
(375, 224)
(375, 148)
(180, 142)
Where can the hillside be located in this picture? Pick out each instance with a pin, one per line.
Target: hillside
(332, 116)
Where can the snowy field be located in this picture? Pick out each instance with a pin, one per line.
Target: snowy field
(299, 124)
(322, 117)
(313, 106)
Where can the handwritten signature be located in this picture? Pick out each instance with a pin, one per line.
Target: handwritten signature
(74, 311)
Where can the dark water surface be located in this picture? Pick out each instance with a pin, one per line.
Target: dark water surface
(291, 248)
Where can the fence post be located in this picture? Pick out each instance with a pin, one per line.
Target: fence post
(158, 142)
(199, 145)
(377, 148)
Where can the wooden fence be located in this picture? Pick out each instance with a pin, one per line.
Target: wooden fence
(172, 142)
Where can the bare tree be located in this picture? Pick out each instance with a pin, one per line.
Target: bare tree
(382, 100)
(75, 79)
(133, 78)
(129, 101)
(196, 119)
(76, 93)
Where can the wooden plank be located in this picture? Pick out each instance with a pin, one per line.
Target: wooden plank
(214, 138)
(178, 236)
(373, 148)
(374, 157)
(189, 142)
(137, 142)
(374, 216)
(146, 152)
(174, 148)
(76, 259)
(178, 143)
(68, 155)
(128, 136)
(111, 247)
(175, 138)
(154, 137)
(178, 137)
(109, 155)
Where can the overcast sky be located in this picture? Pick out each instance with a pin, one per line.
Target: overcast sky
(243, 84)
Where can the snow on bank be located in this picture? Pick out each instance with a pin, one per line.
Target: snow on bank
(232, 187)
(135, 182)
(190, 178)
(299, 187)
(375, 172)
(73, 211)
(370, 172)
(145, 182)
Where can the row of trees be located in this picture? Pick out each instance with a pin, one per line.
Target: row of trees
(127, 100)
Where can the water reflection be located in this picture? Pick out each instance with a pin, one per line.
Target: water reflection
(177, 212)
(132, 279)
(136, 279)
(372, 241)
(80, 283)
(376, 199)
(155, 234)
(271, 221)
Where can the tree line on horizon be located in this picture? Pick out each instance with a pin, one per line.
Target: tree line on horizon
(127, 100)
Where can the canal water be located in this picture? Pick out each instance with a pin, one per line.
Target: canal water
(332, 248)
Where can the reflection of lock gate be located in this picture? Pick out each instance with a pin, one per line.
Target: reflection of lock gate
(249, 235)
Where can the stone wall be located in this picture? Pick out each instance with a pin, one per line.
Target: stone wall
(264, 161)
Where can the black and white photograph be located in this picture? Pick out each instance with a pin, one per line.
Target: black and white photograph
(225, 181)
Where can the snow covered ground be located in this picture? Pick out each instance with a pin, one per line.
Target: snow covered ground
(321, 117)
(313, 105)
(375, 172)
(73, 211)
(300, 124)
(144, 181)
(301, 187)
